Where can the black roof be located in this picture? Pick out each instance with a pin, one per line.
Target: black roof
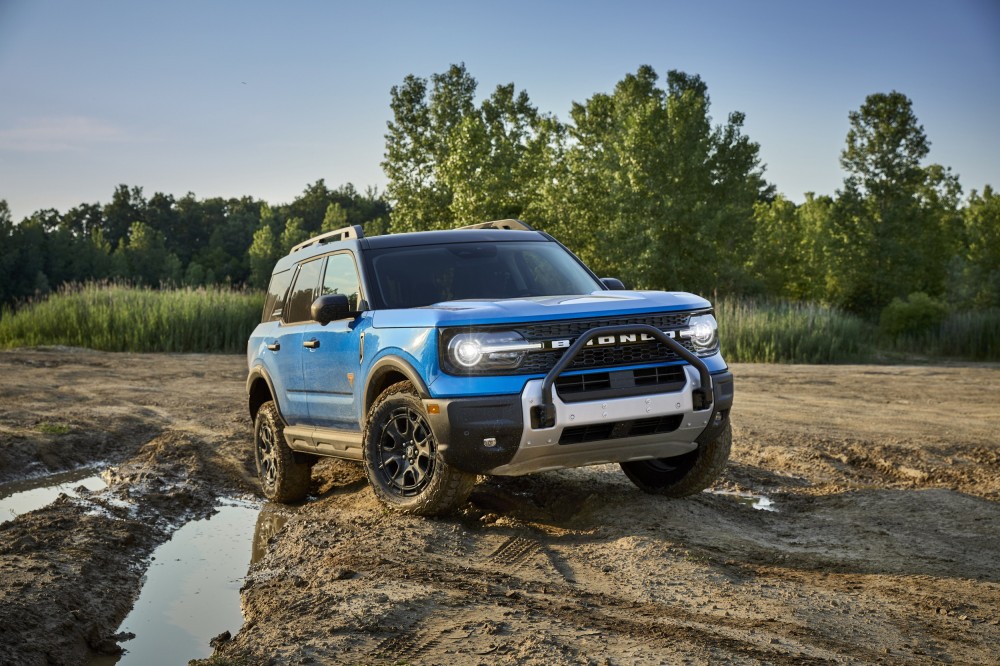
(450, 236)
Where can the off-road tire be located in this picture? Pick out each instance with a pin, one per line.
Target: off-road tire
(282, 477)
(401, 458)
(682, 475)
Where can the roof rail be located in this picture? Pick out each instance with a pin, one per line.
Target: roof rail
(331, 237)
(514, 225)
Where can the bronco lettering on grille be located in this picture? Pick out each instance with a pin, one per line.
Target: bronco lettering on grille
(610, 340)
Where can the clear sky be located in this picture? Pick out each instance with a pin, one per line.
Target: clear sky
(262, 98)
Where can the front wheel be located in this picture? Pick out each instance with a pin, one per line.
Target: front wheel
(282, 477)
(402, 461)
(683, 475)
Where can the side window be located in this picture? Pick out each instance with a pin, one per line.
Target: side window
(341, 277)
(276, 296)
(303, 293)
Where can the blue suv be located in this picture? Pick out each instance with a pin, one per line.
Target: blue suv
(434, 357)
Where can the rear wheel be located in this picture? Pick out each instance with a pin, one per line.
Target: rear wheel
(402, 461)
(682, 475)
(282, 477)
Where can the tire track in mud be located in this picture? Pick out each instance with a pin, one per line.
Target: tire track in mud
(639, 625)
(517, 551)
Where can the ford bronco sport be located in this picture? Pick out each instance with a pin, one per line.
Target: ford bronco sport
(434, 357)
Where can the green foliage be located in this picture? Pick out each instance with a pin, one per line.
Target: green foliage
(782, 332)
(450, 163)
(167, 241)
(641, 178)
(894, 226)
(640, 182)
(121, 318)
(976, 273)
(918, 315)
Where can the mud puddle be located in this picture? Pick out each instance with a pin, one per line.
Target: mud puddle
(191, 591)
(19, 497)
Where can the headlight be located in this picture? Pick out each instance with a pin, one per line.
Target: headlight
(703, 331)
(486, 350)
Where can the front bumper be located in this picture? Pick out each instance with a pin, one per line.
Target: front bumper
(496, 435)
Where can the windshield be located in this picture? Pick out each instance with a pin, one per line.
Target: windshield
(409, 277)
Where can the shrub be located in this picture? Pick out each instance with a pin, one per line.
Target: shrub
(919, 315)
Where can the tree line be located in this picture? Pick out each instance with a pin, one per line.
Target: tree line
(643, 185)
(166, 241)
(640, 182)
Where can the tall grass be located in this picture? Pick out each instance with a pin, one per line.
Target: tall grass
(756, 332)
(123, 318)
(973, 335)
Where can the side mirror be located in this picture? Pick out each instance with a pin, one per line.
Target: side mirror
(613, 283)
(331, 307)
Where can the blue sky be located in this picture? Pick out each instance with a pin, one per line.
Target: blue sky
(262, 98)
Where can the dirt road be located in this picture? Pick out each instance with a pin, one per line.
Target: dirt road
(882, 546)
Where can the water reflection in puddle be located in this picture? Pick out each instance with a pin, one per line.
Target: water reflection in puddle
(760, 502)
(20, 497)
(191, 592)
(269, 523)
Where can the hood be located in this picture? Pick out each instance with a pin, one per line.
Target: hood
(539, 308)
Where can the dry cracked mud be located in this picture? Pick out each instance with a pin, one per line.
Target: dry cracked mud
(882, 548)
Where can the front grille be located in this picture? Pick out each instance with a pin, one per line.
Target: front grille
(637, 428)
(591, 357)
(601, 357)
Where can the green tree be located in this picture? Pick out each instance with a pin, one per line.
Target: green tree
(263, 254)
(418, 142)
(978, 267)
(293, 234)
(146, 258)
(335, 218)
(127, 206)
(886, 237)
(8, 254)
(778, 240)
(497, 158)
(649, 184)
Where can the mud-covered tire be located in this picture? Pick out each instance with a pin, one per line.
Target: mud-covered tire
(682, 475)
(282, 477)
(401, 457)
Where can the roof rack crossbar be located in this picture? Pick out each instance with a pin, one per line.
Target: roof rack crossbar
(354, 231)
(514, 225)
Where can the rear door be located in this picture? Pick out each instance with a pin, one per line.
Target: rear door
(295, 320)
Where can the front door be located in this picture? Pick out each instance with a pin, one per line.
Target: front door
(331, 362)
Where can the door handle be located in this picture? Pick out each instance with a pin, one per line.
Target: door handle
(311, 344)
(274, 346)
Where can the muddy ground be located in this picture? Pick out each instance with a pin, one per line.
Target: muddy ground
(883, 546)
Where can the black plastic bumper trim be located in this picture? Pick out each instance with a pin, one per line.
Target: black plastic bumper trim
(462, 425)
(723, 386)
